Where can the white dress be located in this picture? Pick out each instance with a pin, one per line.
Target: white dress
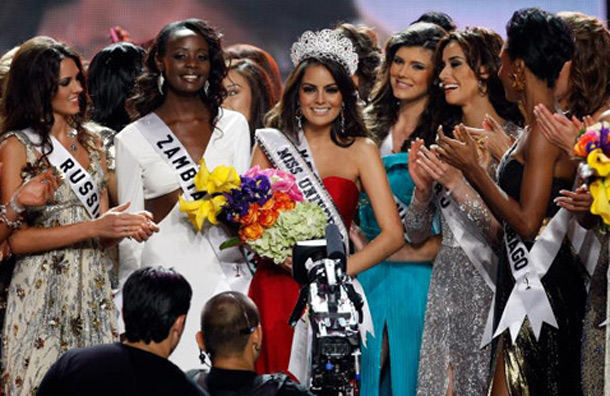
(143, 174)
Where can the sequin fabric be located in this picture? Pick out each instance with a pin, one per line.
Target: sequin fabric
(594, 336)
(458, 304)
(58, 299)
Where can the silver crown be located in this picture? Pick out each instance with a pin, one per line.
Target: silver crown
(325, 44)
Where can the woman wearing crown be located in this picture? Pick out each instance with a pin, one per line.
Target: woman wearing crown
(318, 116)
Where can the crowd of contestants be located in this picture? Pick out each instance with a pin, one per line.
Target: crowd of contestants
(437, 115)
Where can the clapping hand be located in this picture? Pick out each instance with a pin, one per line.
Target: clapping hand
(496, 138)
(558, 129)
(38, 190)
(461, 153)
(116, 223)
(421, 178)
(440, 171)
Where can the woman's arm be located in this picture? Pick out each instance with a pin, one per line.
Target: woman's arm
(37, 239)
(526, 214)
(375, 182)
(259, 158)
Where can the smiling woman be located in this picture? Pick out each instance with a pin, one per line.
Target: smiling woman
(178, 101)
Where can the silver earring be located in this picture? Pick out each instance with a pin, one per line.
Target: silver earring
(206, 87)
(160, 82)
(299, 118)
(482, 89)
(342, 119)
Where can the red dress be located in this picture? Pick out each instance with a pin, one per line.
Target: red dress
(276, 293)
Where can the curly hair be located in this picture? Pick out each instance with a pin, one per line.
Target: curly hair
(111, 80)
(369, 56)
(283, 115)
(382, 111)
(148, 98)
(481, 48)
(590, 72)
(542, 40)
(31, 84)
(262, 95)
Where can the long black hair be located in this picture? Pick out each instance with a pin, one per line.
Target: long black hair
(283, 114)
(148, 98)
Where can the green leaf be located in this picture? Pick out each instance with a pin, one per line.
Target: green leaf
(229, 243)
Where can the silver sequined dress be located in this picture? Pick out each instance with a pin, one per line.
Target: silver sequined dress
(59, 299)
(458, 304)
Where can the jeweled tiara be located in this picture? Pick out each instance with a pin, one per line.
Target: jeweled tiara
(325, 44)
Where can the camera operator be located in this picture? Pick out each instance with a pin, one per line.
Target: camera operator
(232, 335)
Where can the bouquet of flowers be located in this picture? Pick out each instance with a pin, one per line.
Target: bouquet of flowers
(593, 146)
(264, 205)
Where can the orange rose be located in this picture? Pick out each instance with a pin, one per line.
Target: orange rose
(251, 232)
(252, 215)
(267, 218)
(588, 138)
(283, 201)
(269, 204)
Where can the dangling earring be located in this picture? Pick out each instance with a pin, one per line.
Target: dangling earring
(483, 88)
(343, 119)
(206, 87)
(299, 118)
(160, 82)
(518, 80)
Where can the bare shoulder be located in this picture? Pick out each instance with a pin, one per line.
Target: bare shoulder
(10, 147)
(363, 148)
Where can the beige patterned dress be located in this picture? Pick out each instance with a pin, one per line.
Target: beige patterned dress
(58, 299)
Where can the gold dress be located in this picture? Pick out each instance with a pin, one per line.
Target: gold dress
(58, 299)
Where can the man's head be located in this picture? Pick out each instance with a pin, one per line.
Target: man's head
(230, 328)
(155, 303)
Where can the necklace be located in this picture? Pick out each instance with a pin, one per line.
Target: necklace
(73, 134)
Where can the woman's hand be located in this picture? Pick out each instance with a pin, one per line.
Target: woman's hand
(462, 153)
(577, 202)
(148, 229)
(445, 174)
(558, 129)
(421, 179)
(38, 190)
(496, 138)
(115, 223)
(287, 264)
(357, 237)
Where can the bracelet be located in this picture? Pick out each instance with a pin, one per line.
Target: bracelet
(15, 206)
(4, 219)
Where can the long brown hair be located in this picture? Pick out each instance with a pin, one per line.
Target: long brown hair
(590, 72)
(32, 83)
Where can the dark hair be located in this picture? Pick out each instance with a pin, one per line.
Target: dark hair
(262, 58)
(262, 95)
(32, 83)
(227, 321)
(481, 48)
(148, 97)
(153, 298)
(382, 111)
(283, 114)
(590, 72)
(438, 18)
(111, 80)
(542, 40)
(369, 55)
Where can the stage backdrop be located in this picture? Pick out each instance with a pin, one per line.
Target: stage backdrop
(270, 24)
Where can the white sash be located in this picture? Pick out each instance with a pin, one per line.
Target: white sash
(528, 297)
(476, 247)
(167, 145)
(80, 181)
(285, 156)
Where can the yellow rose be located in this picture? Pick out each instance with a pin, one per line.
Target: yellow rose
(600, 192)
(599, 161)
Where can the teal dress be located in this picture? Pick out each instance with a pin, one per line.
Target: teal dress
(397, 293)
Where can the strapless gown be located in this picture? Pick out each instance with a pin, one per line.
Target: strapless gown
(397, 294)
(551, 364)
(275, 292)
